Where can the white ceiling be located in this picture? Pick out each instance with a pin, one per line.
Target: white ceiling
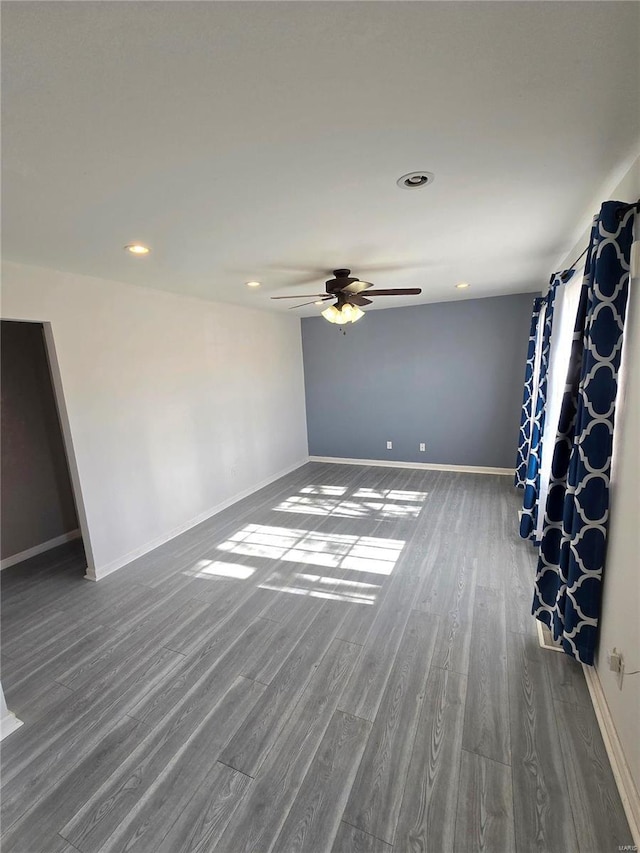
(263, 140)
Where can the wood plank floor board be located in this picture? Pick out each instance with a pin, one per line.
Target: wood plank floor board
(59, 845)
(598, 813)
(261, 815)
(49, 697)
(201, 824)
(567, 680)
(48, 763)
(453, 646)
(432, 779)
(542, 809)
(137, 805)
(314, 816)
(357, 624)
(118, 689)
(250, 745)
(28, 677)
(222, 622)
(484, 819)
(376, 796)
(39, 823)
(364, 691)
(519, 586)
(530, 644)
(486, 724)
(352, 840)
(204, 676)
(268, 589)
(268, 661)
(50, 627)
(169, 621)
(440, 558)
(56, 569)
(494, 518)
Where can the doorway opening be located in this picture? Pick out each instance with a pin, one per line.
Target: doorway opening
(41, 518)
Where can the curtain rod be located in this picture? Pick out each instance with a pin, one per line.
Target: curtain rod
(565, 274)
(620, 212)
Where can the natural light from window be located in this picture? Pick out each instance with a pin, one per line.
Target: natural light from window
(364, 503)
(332, 550)
(215, 568)
(319, 586)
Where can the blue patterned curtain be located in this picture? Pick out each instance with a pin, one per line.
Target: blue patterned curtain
(572, 550)
(524, 438)
(529, 518)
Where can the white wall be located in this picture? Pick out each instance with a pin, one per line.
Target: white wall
(620, 615)
(174, 405)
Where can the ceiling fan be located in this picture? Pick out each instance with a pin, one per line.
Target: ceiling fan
(347, 290)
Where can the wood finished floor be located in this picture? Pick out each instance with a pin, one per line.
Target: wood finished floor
(343, 662)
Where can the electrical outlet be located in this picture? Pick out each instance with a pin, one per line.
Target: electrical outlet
(423, 447)
(389, 445)
(616, 664)
(613, 660)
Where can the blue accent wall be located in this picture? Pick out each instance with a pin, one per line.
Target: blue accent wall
(449, 374)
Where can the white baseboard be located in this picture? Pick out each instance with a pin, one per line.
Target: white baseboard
(546, 640)
(39, 549)
(102, 571)
(624, 780)
(425, 466)
(9, 724)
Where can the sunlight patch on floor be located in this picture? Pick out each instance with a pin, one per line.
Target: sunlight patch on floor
(353, 592)
(330, 550)
(324, 490)
(216, 568)
(348, 508)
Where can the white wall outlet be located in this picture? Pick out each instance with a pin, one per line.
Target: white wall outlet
(614, 660)
(616, 664)
(423, 447)
(389, 445)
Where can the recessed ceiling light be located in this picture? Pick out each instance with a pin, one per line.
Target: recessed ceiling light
(137, 249)
(415, 180)
(462, 285)
(319, 302)
(253, 284)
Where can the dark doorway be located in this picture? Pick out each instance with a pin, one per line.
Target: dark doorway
(38, 511)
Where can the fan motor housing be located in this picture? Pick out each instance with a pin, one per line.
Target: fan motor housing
(342, 278)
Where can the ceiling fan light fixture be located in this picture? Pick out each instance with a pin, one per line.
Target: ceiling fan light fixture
(351, 313)
(340, 316)
(331, 314)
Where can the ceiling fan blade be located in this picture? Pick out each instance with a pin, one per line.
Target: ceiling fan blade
(356, 287)
(355, 299)
(401, 291)
(302, 296)
(313, 302)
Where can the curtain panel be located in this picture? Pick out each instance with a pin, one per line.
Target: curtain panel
(530, 385)
(529, 518)
(568, 584)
